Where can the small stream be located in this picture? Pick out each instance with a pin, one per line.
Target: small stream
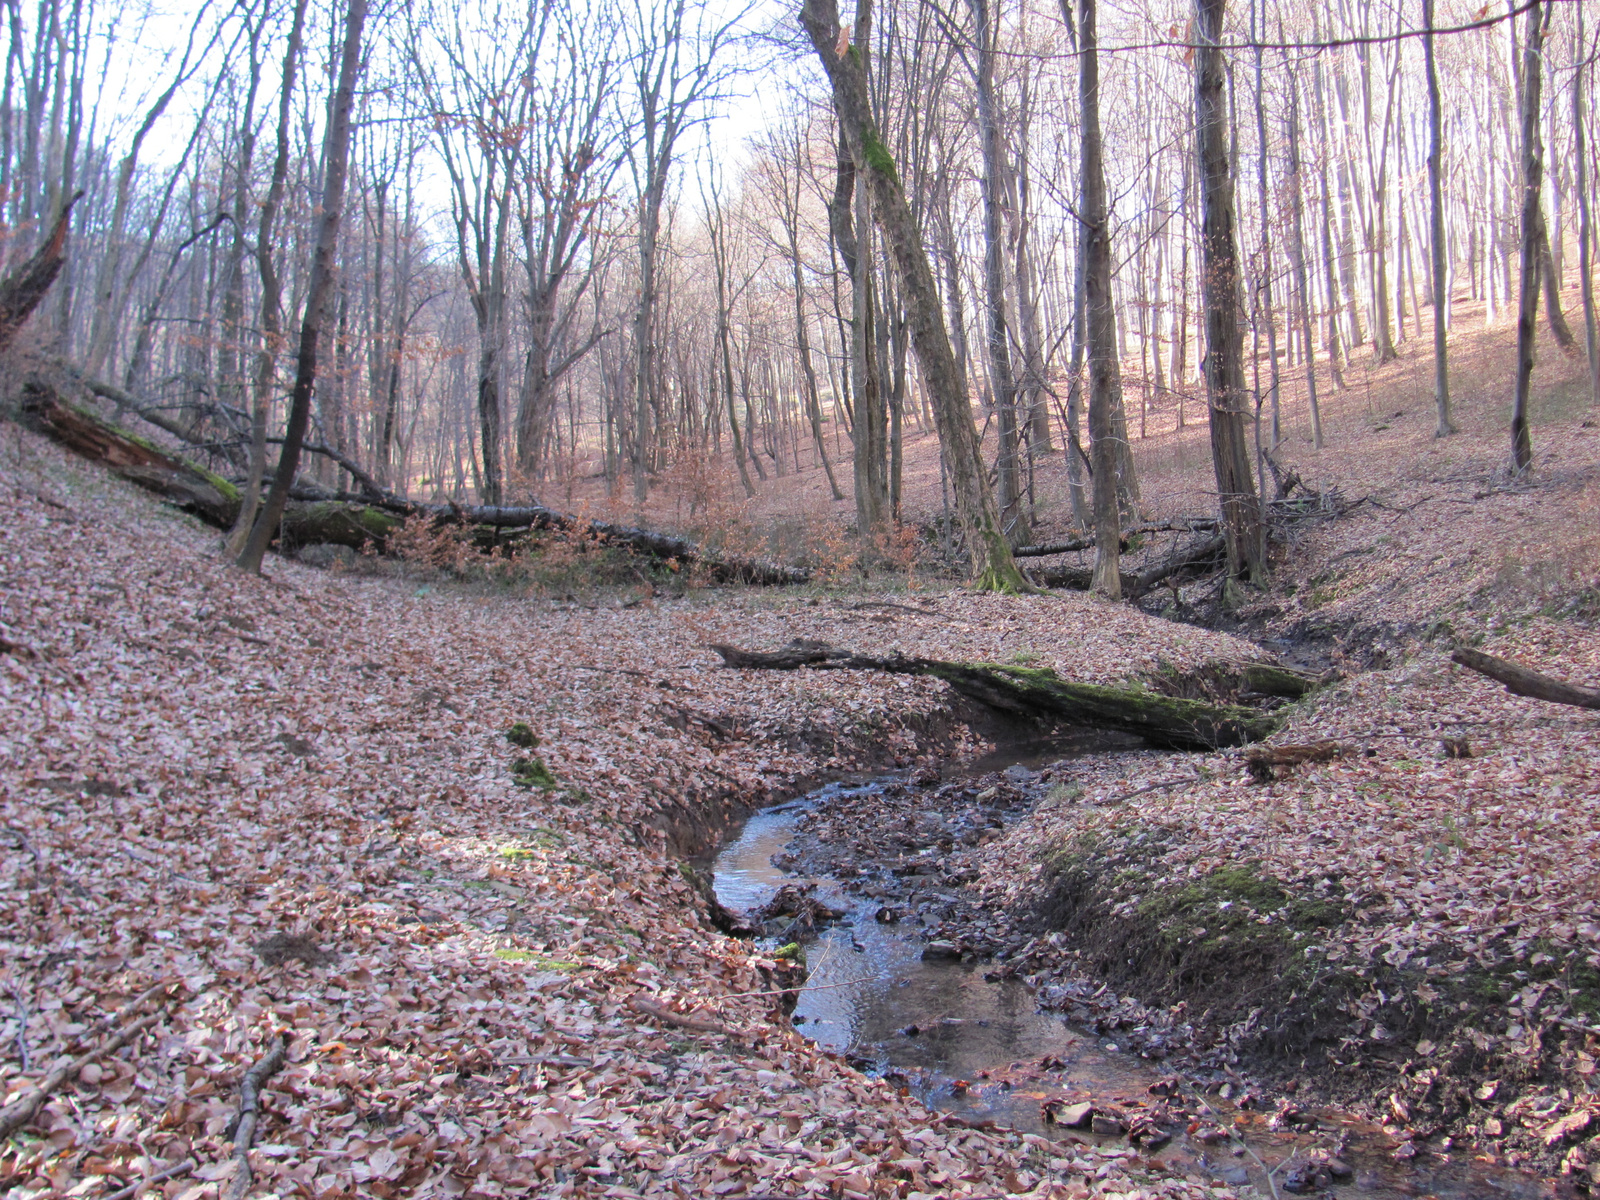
(983, 1049)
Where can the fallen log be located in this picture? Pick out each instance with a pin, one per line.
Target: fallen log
(1134, 586)
(1521, 681)
(349, 519)
(1165, 721)
(1265, 761)
(1182, 525)
(191, 487)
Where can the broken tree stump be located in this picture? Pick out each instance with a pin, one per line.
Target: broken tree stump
(1166, 721)
(1265, 761)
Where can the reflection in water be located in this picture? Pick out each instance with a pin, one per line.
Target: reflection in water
(983, 1049)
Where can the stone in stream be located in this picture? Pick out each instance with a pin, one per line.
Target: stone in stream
(1070, 1116)
(1339, 1170)
(1106, 1125)
(941, 951)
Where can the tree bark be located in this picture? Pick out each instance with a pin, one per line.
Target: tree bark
(1532, 234)
(323, 269)
(1105, 372)
(1224, 360)
(1591, 339)
(1436, 235)
(992, 565)
(1040, 693)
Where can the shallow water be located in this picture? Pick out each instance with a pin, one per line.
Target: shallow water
(983, 1049)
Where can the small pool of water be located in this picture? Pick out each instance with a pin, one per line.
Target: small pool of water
(983, 1049)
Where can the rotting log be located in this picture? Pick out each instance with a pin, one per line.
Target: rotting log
(1270, 679)
(1165, 721)
(354, 519)
(191, 487)
(1520, 681)
(1265, 761)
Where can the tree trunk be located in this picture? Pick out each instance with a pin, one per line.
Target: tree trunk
(1105, 372)
(1297, 256)
(336, 160)
(1265, 273)
(1585, 226)
(1532, 234)
(992, 565)
(1436, 235)
(1224, 360)
(25, 288)
(992, 181)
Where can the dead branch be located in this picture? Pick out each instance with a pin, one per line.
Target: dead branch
(1521, 681)
(244, 1132)
(161, 1176)
(1265, 760)
(22, 291)
(23, 1109)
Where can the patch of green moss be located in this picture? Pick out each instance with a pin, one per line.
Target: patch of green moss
(522, 736)
(539, 960)
(532, 773)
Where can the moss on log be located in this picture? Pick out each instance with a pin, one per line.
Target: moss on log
(191, 487)
(1166, 721)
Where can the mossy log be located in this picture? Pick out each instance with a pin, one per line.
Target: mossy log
(1165, 721)
(372, 513)
(191, 487)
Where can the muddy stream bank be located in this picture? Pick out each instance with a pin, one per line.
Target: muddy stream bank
(908, 976)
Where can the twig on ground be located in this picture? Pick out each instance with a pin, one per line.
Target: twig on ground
(25, 1107)
(1152, 787)
(921, 612)
(244, 1132)
(161, 1176)
(1234, 1134)
(23, 1014)
(161, 866)
(660, 1012)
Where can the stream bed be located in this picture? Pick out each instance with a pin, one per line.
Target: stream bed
(961, 1040)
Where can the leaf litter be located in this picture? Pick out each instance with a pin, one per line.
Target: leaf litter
(235, 809)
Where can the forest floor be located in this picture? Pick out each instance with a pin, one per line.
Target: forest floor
(291, 802)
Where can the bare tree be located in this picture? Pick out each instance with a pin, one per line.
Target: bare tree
(271, 292)
(676, 65)
(1585, 224)
(1224, 359)
(336, 158)
(566, 162)
(1533, 239)
(1438, 250)
(992, 562)
(1105, 372)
